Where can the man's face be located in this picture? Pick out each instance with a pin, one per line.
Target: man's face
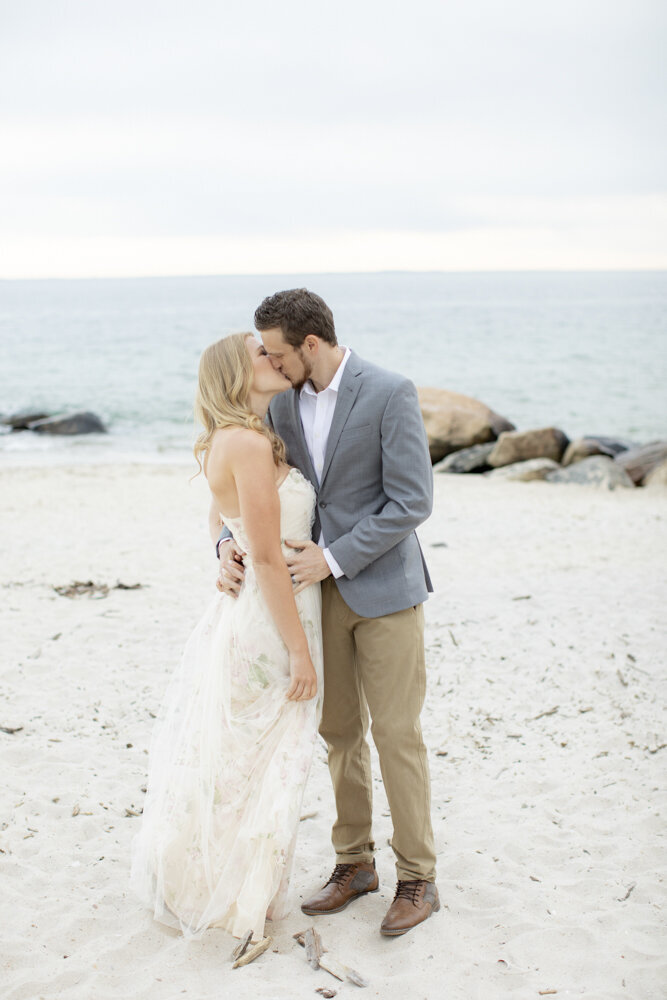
(292, 362)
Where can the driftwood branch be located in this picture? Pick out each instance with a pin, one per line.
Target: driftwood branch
(242, 946)
(549, 711)
(622, 899)
(317, 953)
(253, 953)
(313, 945)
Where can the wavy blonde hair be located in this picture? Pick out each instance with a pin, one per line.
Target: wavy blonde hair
(223, 395)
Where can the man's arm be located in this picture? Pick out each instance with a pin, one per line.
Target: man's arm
(407, 480)
(222, 535)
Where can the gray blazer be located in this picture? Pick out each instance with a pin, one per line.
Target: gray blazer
(376, 487)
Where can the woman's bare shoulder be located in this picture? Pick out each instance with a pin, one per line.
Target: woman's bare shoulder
(234, 446)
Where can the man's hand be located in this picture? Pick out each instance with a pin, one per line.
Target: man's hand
(307, 565)
(232, 571)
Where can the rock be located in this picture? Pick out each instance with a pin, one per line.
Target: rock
(454, 421)
(519, 446)
(592, 445)
(598, 470)
(467, 459)
(638, 462)
(523, 472)
(21, 421)
(657, 477)
(82, 422)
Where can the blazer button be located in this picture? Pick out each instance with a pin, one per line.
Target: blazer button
(322, 503)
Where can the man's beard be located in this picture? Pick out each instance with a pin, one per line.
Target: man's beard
(299, 383)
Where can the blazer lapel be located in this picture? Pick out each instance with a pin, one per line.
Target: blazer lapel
(303, 458)
(347, 393)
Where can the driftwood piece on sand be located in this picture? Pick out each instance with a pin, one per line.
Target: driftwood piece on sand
(333, 966)
(79, 587)
(543, 715)
(313, 945)
(327, 961)
(253, 953)
(622, 899)
(242, 946)
(95, 590)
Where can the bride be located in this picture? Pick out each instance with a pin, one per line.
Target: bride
(234, 739)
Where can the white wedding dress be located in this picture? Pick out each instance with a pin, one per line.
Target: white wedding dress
(230, 757)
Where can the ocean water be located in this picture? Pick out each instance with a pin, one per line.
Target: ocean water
(584, 351)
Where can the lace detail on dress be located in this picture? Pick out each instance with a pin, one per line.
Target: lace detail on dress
(229, 758)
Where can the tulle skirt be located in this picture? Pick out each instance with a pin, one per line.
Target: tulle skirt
(228, 765)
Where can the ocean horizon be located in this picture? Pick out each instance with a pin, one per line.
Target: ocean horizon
(585, 351)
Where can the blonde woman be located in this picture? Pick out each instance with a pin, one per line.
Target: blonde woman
(234, 739)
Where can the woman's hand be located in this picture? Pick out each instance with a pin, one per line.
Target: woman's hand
(231, 570)
(303, 677)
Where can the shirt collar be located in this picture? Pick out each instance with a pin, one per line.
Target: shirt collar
(309, 390)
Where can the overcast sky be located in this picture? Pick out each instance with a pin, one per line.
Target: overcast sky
(209, 137)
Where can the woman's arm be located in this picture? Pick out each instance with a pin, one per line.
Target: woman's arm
(214, 522)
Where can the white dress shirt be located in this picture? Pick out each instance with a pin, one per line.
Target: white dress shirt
(317, 410)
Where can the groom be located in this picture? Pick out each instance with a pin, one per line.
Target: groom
(355, 431)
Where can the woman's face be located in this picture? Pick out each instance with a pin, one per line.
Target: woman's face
(265, 377)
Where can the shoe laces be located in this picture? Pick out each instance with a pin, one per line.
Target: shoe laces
(408, 890)
(340, 873)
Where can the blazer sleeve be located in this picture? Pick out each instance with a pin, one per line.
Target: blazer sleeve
(407, 481)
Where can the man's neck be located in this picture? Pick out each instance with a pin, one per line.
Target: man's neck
(326, 368)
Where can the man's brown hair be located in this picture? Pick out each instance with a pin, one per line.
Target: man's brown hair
(297, 312)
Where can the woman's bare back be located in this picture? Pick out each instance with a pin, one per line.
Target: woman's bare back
(218, 469)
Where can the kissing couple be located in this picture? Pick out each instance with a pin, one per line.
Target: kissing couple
(319, 470)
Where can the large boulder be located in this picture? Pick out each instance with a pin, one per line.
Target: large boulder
(454, 421)
(639, 462)
(598, 470)
(467, 460)
(21, 421)
(593, 445)
(523, 472)
(657, 477)
(82, 422)
(519, 446)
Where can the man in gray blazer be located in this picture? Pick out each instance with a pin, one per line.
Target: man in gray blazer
(355, 431)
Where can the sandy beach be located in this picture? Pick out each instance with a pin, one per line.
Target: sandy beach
(545, 722)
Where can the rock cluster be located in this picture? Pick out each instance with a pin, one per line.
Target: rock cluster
(531, 468)
(597, 470)
(465, 436)
(454, 421)
(21, 421)
(520, 446)
(640, 462)
(79, 422)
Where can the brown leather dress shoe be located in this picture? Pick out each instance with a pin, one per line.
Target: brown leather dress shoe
(414, 902)
(346, 883)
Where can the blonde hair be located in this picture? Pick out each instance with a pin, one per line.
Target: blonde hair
(223, 395)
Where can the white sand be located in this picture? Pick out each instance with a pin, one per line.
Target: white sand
(546, 653)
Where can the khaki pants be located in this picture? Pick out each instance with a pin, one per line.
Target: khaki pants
(377, 665)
